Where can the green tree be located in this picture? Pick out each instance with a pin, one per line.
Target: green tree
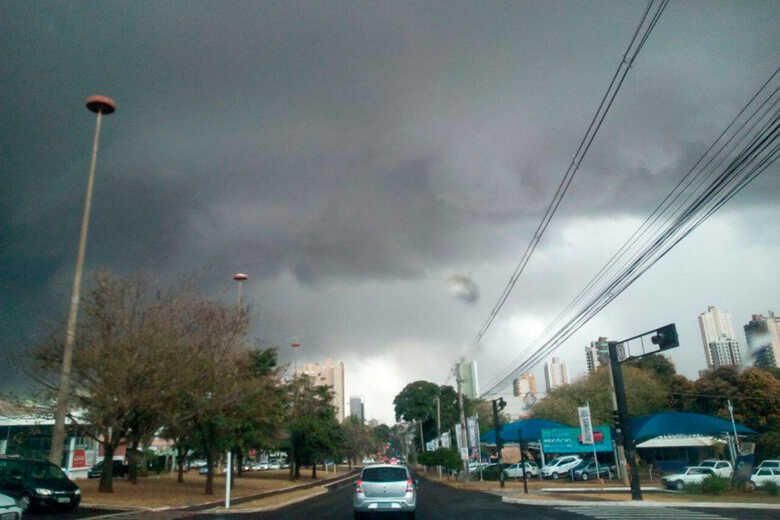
(645, 394)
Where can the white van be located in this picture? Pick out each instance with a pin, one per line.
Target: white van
(560, 466)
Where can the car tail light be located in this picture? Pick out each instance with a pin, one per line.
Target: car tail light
(409, 487)
(358, 489)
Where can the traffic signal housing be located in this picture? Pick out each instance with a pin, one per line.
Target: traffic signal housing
(666, 337)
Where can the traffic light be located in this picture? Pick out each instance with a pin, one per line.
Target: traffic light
(501, 403)
(666, 337)
(616, 419)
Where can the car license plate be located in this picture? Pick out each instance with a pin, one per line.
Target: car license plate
(63, 500)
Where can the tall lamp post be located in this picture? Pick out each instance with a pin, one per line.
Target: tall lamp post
(295, 346)
(99, 105)
(240, 278)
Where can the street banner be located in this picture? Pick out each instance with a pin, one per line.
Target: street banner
(459, 438)
(586, 428)
(430, 445)
(473, 428)
(446, 442)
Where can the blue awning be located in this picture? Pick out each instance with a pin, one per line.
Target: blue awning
(521, 431)
(682, 423)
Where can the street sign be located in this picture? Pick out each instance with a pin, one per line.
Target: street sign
(586, 428)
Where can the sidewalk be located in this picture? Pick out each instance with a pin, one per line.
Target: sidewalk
(642, 503)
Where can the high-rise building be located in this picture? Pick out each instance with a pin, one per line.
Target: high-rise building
(469, 384)
(328, 375)
(721, 347)
(357, 408)
(597, 354)
(555, 374)
(524, 385)
(763, 339)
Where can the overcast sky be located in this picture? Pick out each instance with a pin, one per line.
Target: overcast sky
(353, 157)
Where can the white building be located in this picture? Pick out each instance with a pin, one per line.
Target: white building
(555, 374)
(763, 339)
(328, 375)
(469, 383)
(721, 347)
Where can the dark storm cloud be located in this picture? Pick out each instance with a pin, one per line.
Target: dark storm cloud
(343, 143)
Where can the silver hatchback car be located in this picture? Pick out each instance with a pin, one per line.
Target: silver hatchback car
(385, 488)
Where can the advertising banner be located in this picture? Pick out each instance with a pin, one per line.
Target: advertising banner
(446, 442)
(79, 459)
(459, 438)
(569, 440)
(586, 428)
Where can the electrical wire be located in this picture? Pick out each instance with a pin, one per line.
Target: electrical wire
(585, 143)
(760, 152)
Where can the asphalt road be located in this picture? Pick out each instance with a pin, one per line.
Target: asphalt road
(440, 502)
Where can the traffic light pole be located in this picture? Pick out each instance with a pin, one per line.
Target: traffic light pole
(623, 424)
(499, 442)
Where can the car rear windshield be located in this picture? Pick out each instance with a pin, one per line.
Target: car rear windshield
(384, 474)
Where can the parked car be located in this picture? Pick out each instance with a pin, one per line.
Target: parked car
(274, 465)
(763, 476)
(383, 488)
(691, 475)
(197, 463)
(120, 469)
(769, 463)
(587, 470)
(368, 460)
(560, 466)
(721, 468)
(516, 470)
(284, 465)
(203, 470)
(38, 484)
(9, 509)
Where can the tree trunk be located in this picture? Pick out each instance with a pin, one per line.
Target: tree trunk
(210, 472)
(132, 461)
(291, 460)
(349, 460)
(180, 477)
(107, 478)
(314, 469)
(297, 469)
(239, 462)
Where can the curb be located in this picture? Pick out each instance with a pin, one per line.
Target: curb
(694, 505)
(223, 511)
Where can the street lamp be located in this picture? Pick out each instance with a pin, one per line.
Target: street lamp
(99, 105)
(240, 278)
(295, 346)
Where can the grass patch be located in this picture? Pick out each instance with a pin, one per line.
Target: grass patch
(163, 490)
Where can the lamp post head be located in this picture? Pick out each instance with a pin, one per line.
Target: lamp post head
(295, 345)
(240, 277)
(102, 104)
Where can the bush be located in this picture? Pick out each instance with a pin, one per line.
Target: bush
(715, 485)
(692, 488)
(771, 487)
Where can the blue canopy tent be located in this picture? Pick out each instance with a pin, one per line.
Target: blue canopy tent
(670, 439)
(525, 430)
(682, 423)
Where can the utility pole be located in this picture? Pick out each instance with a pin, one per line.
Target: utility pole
(464, 432)
(438, 428)
(625, 427)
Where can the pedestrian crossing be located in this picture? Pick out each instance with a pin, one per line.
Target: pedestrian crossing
(641, 513)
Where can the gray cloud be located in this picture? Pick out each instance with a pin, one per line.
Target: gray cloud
(350, 157)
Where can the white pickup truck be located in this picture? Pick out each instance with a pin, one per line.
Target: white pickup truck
(691, 475)
(721, 468)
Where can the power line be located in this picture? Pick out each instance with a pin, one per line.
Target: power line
(754, 158)
(590, 134)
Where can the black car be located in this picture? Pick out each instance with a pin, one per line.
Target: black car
(120, 470)
(38, 484)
